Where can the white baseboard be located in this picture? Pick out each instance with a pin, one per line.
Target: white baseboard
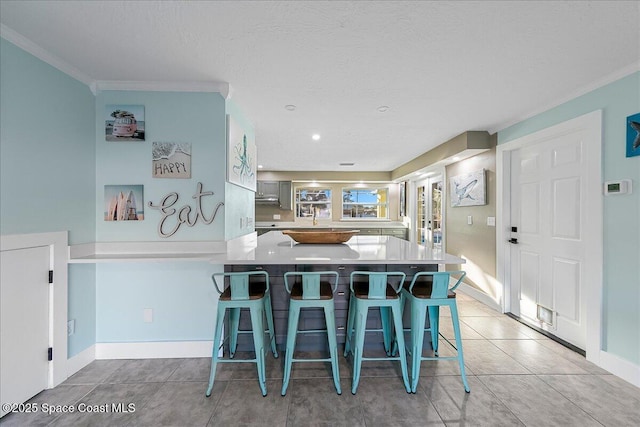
(620, 367)
(479, 296)
(153, 350)
(80, 360)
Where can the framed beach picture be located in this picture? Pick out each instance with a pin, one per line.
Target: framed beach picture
(123, 203)
(633, 135)
(171, 160)
(241, 156)
(124, 122)
(468, 189)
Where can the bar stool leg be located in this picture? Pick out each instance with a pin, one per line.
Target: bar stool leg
(418, 318)
(394, 347)
(456, 331)
(434, 320)
(257, 324)
(358, 347)
(234, 321)
(385, 319)
(269, 315)
(349, 330)
(214, 352)
(397, 318)
(294, 316)
(329, 315)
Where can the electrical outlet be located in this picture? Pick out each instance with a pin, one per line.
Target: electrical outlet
(71, 327)
(491, 221)
(276, 216)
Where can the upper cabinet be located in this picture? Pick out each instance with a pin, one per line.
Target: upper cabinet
(274, 193)
(285, 195)
(268, 189)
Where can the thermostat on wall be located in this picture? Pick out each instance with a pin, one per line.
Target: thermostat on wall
(617, 187)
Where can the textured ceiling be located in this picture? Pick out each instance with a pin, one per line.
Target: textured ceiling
(442, 67)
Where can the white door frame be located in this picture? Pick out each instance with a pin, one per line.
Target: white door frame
(426, 177)
(592, 124)
(59, 250)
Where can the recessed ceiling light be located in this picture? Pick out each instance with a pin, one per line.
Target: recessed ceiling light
(455, 158)
(383, 108)
(315, 137)
(260, 166)
(290, 107)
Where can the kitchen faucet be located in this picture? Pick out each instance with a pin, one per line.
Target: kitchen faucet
(315, 221)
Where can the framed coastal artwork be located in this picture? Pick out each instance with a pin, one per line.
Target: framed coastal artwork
(124, 123)
(468, 189)
(633, 135)
(123, 203)
(171, 160)
(241, 156)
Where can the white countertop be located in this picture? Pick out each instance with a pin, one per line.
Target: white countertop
(281, 225)
(277, 248)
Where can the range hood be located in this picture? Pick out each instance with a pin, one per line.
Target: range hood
(267, 200)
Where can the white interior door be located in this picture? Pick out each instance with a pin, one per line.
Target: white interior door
(24, 323)
(435, 203)
(549, 199)
(429, 212)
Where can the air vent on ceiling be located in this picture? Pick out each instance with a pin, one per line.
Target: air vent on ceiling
(347, 164)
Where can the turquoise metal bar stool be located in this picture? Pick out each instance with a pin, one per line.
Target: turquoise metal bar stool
(429, 295)
(376, 293)
(316, 293)
(239, 294)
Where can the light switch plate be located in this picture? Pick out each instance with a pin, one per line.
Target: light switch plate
(147, 315)
(491, 221)
(469, 220)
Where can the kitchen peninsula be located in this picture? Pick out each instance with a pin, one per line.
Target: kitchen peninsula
(277, 253)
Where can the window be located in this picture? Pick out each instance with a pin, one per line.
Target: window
(309, 200)
(365, 203)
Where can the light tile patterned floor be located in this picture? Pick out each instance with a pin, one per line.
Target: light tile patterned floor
(517, 377)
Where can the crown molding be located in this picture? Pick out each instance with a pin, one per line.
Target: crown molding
(610, 78)
(163, 86)
(25, 44)
(96, 85)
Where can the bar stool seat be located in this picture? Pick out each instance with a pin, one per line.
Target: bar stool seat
(375, 293)
(311, 292)
(427, 292)
(242, 293)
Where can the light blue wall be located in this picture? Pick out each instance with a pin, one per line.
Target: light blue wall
(621, 317)
(47, 161)
(47, 167)
(180, 294)
(240, 201)
(197, 118)
(82, 307)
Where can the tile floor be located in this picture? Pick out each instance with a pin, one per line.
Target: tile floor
(517, 377)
